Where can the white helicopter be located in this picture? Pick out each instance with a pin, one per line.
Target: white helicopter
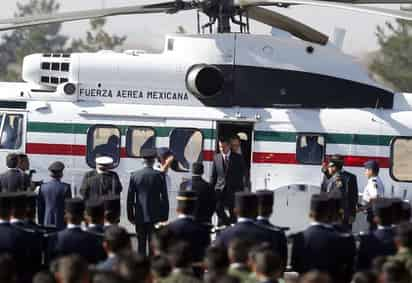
(293, 101)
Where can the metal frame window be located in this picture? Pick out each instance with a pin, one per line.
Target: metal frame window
(103, 143)
(310, 148)
(400, 168)
(184, 146)
(11, 131)
(135, 142)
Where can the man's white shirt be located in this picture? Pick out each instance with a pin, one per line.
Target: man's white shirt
(374, 189)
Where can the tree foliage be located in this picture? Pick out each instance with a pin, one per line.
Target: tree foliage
(47, 39)
(394, 63)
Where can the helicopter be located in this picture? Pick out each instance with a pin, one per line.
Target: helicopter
(293, 101)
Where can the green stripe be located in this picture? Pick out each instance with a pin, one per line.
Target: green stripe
(45, 127)
(266, 136)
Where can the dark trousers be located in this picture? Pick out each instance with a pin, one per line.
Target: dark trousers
(144, 236)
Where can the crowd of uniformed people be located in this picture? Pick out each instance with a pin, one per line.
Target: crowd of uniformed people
(47, 235)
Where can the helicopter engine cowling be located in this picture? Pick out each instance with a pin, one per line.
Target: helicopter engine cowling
(205, 80)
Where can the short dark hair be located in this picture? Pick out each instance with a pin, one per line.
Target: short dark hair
(404, 234)
(43, 277)
(117, 239)
(238, 250)
(257, 248)
(161, 266)
(235, 137)
(7, 268)
(315, 277)
(72, 269)
(134, 268)
(268, 263)
(223, 140)
(12, 160)
(396, 272)
(180, 255)
(217, 260)
(107, 277)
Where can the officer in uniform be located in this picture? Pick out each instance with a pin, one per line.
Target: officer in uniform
(265, 209)
(52, 195)
(341, 184)
(12, 180)
(374, 189)
(102, 181)
(380, 242)
(111, 211)
(319, 246)
(147, 200)
(73, 240)
(95, 216)
(246, 228)
(206, 198)
(187, 229)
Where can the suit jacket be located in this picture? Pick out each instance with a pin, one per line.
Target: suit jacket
(96, 185)
(147, 200)
(378, 243)
(195, 234)
(97, 229)
(206, 200)
(51, 203)
(319, 247)
(230, 180)
(279, 242)
(12, 181)
(76, 241)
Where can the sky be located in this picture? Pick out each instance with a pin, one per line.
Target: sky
(148, 30)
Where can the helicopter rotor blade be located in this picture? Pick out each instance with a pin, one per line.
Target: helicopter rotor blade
(288, 24)
(166, 7)
(350, 7)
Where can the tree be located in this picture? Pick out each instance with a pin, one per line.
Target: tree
(97, 39)
(394, 63)
(21, 42)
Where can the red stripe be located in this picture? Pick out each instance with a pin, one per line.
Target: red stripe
(258, 157)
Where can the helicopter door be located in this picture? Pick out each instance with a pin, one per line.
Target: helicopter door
(242, 145)
(12, 133)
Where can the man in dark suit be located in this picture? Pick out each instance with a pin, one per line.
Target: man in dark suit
(95, 216)
(319, 246)
(206, 198)
(246, 227)
(102, 181)
(147, 200)
(380, 242)
(52, 195)
(24, 166)
(12, 180)
(73, 240)
(228, 177)
(187, 229)
(342, 183)
(265, 208)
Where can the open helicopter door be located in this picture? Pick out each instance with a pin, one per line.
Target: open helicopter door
(242, 145)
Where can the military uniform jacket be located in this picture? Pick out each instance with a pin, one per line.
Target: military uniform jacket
(77, 241)
(51, 203)
(380, 242)
(206, 200)
(147, 199)
(279, 239)
(95, 185)
(12, 181)
(319, 247)
(404, 255)
(230, 178)
(194, 233)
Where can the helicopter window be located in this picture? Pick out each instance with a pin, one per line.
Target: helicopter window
(187, 147)
(138, 138)
(401, 162)
(103, 140)
(45, 66)
(65, 67)
(310, 149)
(12, 131)
(55, 66)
